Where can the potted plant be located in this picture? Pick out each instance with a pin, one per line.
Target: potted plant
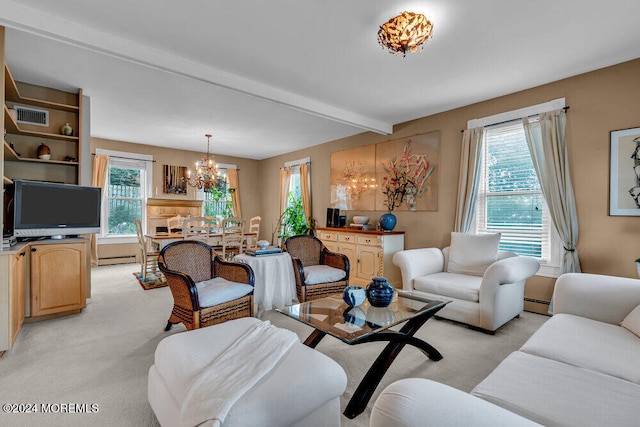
(292, 222)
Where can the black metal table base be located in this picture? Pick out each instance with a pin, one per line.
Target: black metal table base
(397, 341)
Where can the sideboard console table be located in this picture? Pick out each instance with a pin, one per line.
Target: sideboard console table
(370, 252)
(159, 210)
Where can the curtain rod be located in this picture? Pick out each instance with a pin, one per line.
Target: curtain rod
(297, 164)
(128, 158)
(513, 120)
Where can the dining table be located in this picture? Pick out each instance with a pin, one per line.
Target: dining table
(160, 240)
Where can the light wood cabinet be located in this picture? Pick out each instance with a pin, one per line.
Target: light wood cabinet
(370, 253)
(58, 278)
(18, 293)
(13, 293)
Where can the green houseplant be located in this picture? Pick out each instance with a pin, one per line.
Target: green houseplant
(292, 222)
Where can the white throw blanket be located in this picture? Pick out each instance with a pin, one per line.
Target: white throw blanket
(227, 378)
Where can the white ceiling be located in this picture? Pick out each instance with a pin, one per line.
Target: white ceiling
(269, 77)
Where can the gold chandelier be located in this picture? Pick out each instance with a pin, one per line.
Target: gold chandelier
(207, 175)
(405, 33)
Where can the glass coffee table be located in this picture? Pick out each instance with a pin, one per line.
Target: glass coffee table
(364, 323)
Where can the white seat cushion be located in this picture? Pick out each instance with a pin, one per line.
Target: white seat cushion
(218, 290)
(314, 274)
(304, 376)
(557, 339)
(472, 253)
(556, 394)
(460, 286)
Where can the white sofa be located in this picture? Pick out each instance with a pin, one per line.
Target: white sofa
(581, 368)
(484, 296)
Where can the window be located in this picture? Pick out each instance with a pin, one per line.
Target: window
(293, 219)
(128, 180)
(218, 203)
(510, 200)
(295, 191)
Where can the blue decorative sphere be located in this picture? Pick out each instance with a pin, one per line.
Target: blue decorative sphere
(354, 295)
(388, 221)
(380, 292)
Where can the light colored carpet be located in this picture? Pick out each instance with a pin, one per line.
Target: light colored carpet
(102, 355)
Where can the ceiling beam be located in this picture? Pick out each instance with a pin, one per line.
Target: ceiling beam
(36, 22)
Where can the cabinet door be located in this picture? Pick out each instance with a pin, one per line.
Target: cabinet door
(370, 262)
(18, 292)
(58, 278)
(349, 250)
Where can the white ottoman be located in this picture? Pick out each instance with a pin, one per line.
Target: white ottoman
(304, 389)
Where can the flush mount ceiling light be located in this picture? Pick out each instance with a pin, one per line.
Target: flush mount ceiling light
(405, 33)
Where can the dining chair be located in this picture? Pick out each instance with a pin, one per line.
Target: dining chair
(233, 238)
(197, 228)
(148, 258)
(232, 244)
(254, 227)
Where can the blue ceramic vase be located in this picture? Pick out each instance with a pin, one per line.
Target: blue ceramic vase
(387, 221)
(354, 295)
(379, 292)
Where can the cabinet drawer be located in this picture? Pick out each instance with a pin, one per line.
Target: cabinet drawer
(370, 240)
(347, 238)
(169, 211)
(329, 236)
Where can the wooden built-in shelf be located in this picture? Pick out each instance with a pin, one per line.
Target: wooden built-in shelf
(6, 181)
(13, 94)
(11, 156)
(12, 127)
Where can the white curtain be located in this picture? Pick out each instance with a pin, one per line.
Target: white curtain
(470, 167)
(285, 179)
(235, 197)
(548, 147)
(98, 179)
(306, 191)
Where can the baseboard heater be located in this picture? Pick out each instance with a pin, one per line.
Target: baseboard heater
(117, 260)
(537, 301)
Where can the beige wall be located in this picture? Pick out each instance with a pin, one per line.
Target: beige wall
(600, 101)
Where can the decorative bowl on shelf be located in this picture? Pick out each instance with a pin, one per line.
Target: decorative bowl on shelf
(361, 219)
(44, 156)
(262, 244)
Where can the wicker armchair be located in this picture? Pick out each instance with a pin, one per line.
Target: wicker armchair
(195, 277)
(310, 257)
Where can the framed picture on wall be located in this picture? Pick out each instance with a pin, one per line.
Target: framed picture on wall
(624, 173)
(174, 180)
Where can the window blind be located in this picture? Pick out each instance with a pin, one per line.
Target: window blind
(510, 200)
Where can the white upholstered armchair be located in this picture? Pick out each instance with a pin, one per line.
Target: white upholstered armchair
(485, 285)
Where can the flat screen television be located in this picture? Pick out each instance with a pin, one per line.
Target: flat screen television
(45, 209)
